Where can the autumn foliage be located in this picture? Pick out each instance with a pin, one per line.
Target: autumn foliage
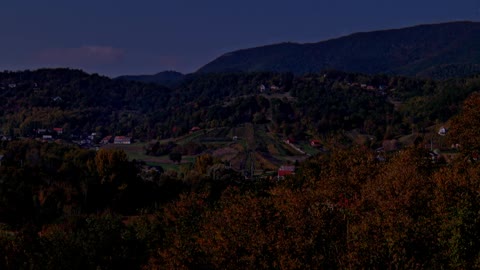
(341, 210)
(344, 209)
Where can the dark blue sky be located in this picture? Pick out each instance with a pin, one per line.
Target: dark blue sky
(147, 36)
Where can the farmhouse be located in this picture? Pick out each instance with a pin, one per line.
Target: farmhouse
(122, 140)
(442, 131)
(315, 143)
(193, 129)
(58, 130)
(285, 170)
(262, 88)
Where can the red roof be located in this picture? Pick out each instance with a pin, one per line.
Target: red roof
(315, 142)
(286, 170)
(122, 138)
(106, 139)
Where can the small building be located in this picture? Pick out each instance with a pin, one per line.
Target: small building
(92, 136)
(193, 129)
(262, 88)
(435, 155)
(315, 143)
(475, 155)
(285, 170)
(5, 138)
(58, 130)
(47, 137)
(122, 140)
(442, 131)
(106, 140)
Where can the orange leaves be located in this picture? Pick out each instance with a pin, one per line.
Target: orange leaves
(247, 231)
(456, 206)
(465, 127)
(181, 220)
(110, 164)
(393, 204)
(339, 211)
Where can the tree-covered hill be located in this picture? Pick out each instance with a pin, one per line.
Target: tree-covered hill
(64, 207)
(167, 78)
(68, 208)
(439, 50)
(291, 106)
(76, 101)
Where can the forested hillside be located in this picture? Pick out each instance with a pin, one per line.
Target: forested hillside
(167, 78)
(309, 105)
(63, 207)
(78, 102)
(383, 172)
(436, 51)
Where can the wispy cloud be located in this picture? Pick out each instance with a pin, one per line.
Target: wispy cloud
(80, 56)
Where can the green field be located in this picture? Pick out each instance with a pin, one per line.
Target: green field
(137, 151)
(255, 147)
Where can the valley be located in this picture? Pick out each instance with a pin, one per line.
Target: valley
(360, 152)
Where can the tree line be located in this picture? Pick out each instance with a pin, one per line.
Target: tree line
(65, 207)
(293, 106)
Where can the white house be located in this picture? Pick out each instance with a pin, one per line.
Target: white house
(442, 131)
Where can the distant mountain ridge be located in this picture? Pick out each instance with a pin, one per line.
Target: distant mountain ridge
(167, 78)
(436, 50)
